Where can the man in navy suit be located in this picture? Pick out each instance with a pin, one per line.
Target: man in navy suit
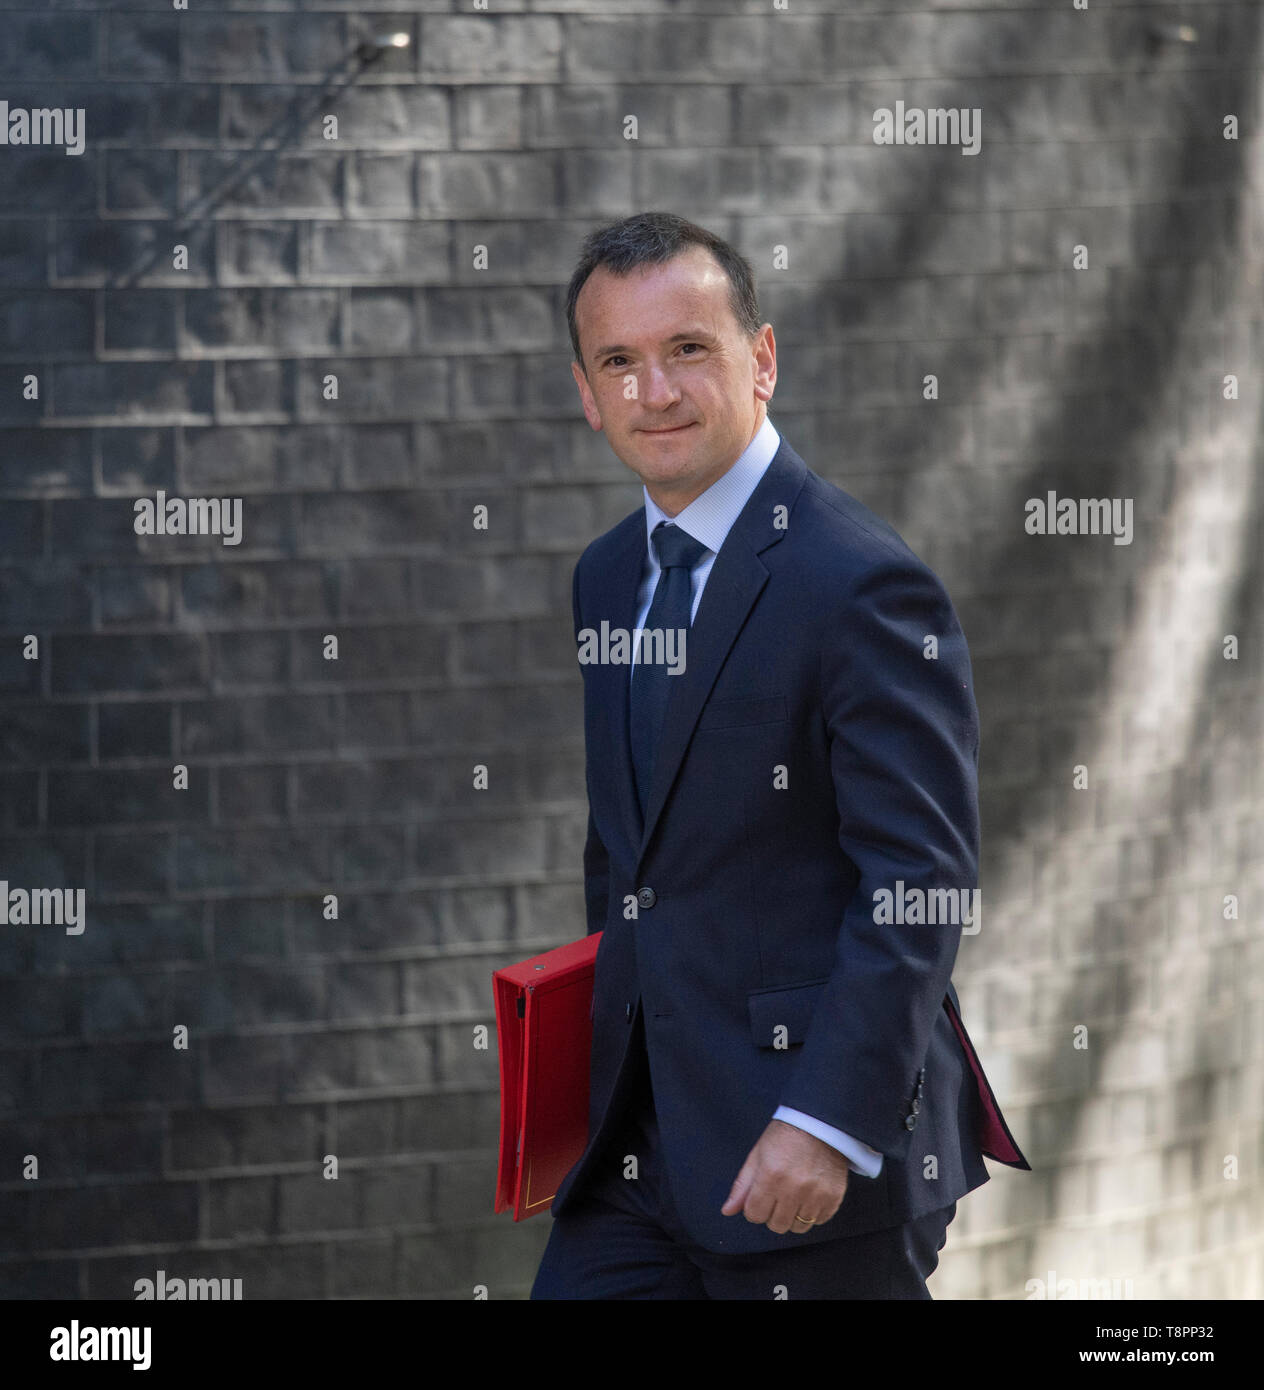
(782, 746)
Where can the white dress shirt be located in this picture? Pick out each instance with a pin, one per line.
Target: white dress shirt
(709, 518)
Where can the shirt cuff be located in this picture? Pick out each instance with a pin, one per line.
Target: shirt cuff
(860, 1157)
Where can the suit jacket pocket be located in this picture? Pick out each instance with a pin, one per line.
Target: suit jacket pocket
(732, 714)
(787, 1006)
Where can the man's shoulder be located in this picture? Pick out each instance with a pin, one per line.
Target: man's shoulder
(842, 538)
(621, 538)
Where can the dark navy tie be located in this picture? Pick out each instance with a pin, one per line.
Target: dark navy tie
(677, 553)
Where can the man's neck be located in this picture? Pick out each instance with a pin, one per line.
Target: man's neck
(673, 503)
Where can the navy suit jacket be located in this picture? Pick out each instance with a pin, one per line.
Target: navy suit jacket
(810, 756)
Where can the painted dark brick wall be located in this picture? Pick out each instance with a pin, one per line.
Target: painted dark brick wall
(306, 257)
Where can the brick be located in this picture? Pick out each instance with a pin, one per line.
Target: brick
(42, 1279)
(363, 1128)
(382, 182)
(256, 724)
(144, 182)
(56, 321)
(299, 182)
(245, 794)
(398, 1196)
(490, 117)
(259, 857)
(411, 252)
(142, 1074)
(137, 460)
(97, 253)
(381, 318)
(260, 458)
(263, 253)
(249, 659)
(142, 46)
(45, 46)
(237, 1207)
(205, 1139)
(126, 935)
(516, 183)
(15, 407)
(56, 733)
(255, 593)
(127, 797)
(363, 1268)
(373, 387)
(449, 987)
(258, 389)
(140, 320)
(134, 596)
(39, 1009)
(373, 854)
(346, 524)
(368, 922)
(453, 1120)
(507, 1268)
(267, 46)
(122, 1005)
(22, 251)
(133, 389)
(151, 662)
(241, 1070)
(43, 599)
(462, 1064)
(248, 929)
(466, 48)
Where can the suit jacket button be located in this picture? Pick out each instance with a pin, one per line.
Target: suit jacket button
(646, 897)
(627, 1013)
(921, 1090)
(921, 1075)
(910, 1122)
(915, 1107)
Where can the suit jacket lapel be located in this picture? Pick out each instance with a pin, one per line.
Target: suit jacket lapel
(736, 579)
(615, 602)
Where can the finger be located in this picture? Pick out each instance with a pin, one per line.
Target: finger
(760, 1204)
(827, 1211)
(781, 1220)
(802, 1227)
(736, 1199)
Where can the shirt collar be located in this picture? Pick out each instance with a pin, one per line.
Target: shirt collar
(710, 516)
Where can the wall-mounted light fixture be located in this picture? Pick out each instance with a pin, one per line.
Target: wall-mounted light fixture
(372, 49)
(1161, 33)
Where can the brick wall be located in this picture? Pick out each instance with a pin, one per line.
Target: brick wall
(309, 257)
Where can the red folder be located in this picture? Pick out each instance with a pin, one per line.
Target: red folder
(544, 1029)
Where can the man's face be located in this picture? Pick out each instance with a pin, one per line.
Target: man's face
(677, 387)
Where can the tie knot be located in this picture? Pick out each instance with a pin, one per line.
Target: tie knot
(676, 547)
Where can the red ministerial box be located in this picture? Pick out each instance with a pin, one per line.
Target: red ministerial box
(544, 1030)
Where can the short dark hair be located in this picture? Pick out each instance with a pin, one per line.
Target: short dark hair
(650, 238)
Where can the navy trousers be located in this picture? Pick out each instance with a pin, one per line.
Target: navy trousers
(622, 1237)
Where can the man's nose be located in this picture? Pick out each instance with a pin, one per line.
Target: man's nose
(657, 387)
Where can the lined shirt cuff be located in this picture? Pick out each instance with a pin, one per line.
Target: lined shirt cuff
(860, 1157)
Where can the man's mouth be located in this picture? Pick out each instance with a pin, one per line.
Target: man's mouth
(674, 430)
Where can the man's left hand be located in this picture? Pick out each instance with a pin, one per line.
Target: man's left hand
(788, 1174)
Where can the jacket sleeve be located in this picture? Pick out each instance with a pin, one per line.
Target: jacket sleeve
(596, 860)
(904, 738)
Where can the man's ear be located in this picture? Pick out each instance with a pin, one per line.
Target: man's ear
(765, 364)
(591, 413)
